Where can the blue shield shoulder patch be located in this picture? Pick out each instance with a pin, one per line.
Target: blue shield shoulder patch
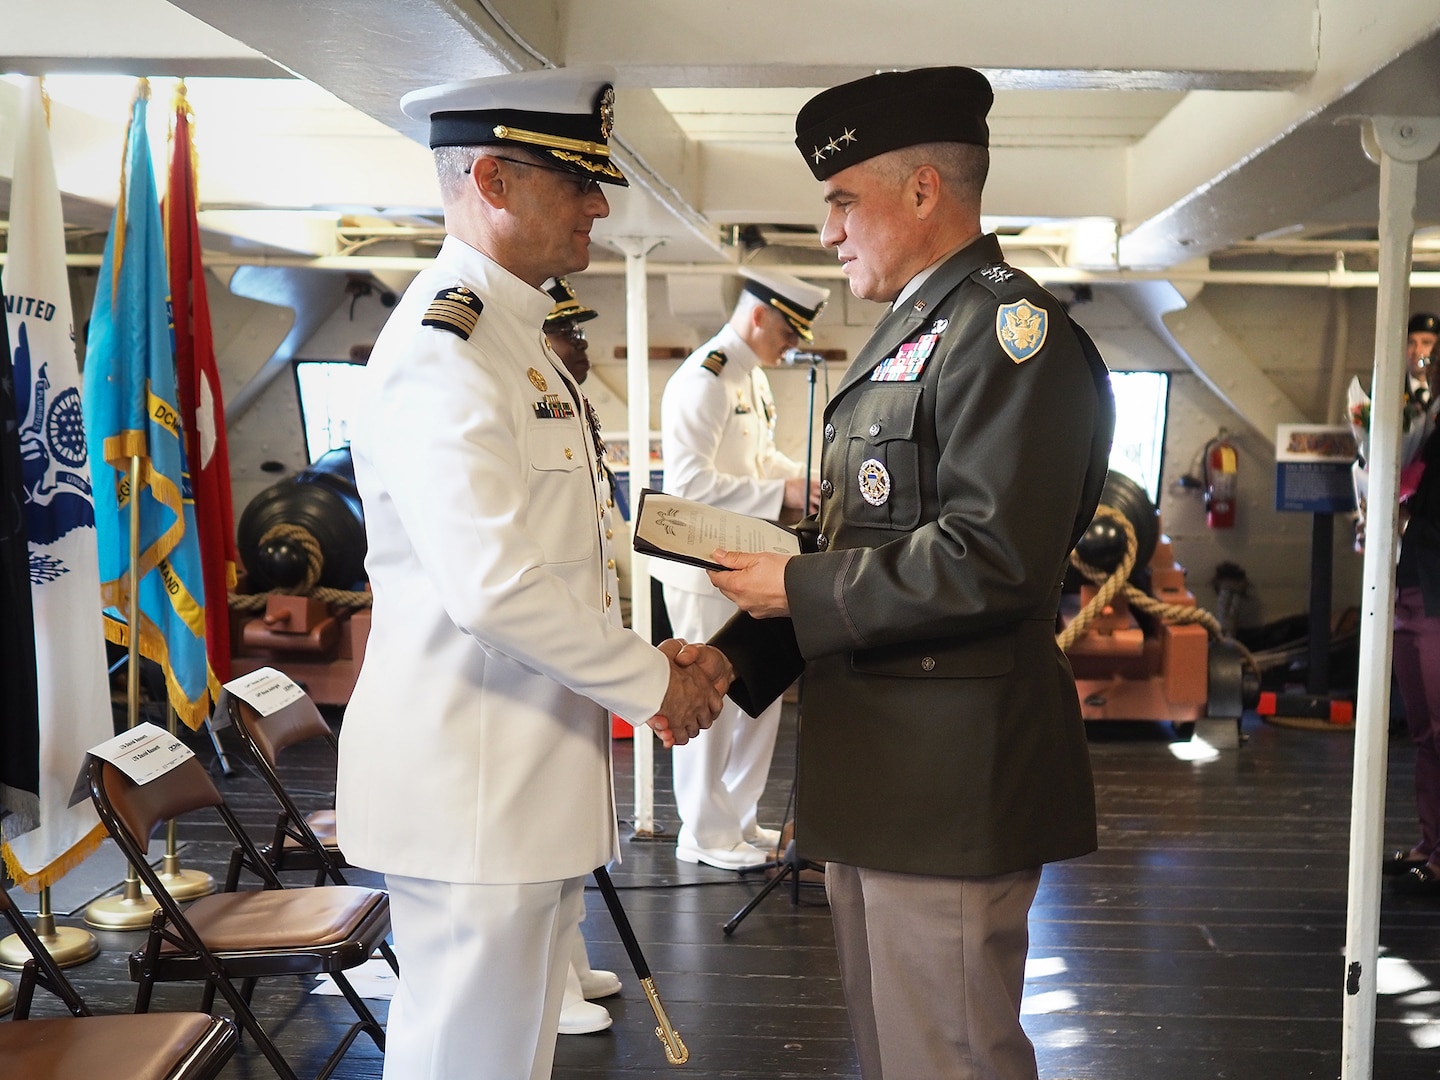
(1020, 328)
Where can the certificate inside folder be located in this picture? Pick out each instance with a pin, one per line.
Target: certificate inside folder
(682, 530)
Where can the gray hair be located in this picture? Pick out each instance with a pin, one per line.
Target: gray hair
(962, 166)
(452, 165)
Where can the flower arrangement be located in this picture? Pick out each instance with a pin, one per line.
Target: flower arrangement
(1416, 423)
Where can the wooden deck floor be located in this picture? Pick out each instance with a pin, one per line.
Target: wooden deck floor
(1204, 940)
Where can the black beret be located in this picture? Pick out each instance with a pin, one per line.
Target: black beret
(857, 120)
(1422, 322)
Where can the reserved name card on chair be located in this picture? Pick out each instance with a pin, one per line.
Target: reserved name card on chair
(142, 753)
(265, 690)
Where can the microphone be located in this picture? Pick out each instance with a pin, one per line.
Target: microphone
(796, 356)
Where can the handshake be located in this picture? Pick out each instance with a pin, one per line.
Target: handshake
(699, 677)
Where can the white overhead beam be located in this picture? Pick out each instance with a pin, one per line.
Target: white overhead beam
(1216, 357)
(1221, 166)
(1234, 43)
(150, 37)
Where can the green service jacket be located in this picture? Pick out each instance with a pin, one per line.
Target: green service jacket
(940, 730)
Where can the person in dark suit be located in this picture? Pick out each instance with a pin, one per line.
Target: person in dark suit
(942, 755)
(1416, 642)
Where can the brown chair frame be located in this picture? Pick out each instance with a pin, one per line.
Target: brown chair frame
(176, 949)
(295, 845)
(71, 1048)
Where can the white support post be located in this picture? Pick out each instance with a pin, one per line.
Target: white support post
(1400, 144)
(637, 368)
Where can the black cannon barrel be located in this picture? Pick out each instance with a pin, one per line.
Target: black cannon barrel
(323, 501)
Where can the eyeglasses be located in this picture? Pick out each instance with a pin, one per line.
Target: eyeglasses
(584, 185)
(570, 333)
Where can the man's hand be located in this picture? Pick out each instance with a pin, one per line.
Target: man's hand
(755, 583)
(802, 496)
(692, 700)
(711, 661)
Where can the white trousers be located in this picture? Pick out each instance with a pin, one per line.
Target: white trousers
(482, 979)
(719, 775)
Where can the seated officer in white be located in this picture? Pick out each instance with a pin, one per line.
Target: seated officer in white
(475, 754)
(717, 422)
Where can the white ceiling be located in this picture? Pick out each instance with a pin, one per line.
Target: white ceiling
(1157, 132)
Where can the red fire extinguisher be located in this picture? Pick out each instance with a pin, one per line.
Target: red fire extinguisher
(1221, 473)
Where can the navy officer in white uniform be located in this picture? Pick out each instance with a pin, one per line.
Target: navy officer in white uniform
(475, 754)
(717, 420)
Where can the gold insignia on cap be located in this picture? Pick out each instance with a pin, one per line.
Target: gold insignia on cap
(550, 142)
(714, 361)
(607, 112)
(602, 167)
(537, 380)
(1020, 328)
(456, 309)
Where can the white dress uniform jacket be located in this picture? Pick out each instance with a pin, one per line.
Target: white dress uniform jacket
(476, 747)
(718, 442)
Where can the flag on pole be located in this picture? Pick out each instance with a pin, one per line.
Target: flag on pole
(132, 409)
(202, 407)
(20, 723)
(73, 692)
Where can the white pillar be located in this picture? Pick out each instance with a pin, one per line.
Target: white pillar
(1400, 144)
(637, 367)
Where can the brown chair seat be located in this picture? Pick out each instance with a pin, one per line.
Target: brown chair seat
(280, 918)
(135, 1047)
(322, 824)
(230, 939)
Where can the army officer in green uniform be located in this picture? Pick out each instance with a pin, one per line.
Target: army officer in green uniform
(942, 754)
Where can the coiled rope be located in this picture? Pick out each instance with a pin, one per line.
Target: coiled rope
(314, 566)
(1118, 580)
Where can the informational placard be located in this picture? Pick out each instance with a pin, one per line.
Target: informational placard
(144, 752)
(265, 690)
(1312, 468)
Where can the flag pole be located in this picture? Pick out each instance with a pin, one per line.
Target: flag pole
(180, 883)
(130, 910)
(68, 946)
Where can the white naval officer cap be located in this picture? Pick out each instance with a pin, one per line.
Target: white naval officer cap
(563, 115)
(799, 301)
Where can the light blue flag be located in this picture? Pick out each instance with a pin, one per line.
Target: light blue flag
(131, 411)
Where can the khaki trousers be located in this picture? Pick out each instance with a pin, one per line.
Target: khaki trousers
(933, 970)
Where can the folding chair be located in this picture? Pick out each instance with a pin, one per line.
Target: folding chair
(155, 1046)
(238, 936)
(300, 841)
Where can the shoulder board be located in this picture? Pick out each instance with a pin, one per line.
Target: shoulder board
(455, 309)
(1000, 278)
(714, 361)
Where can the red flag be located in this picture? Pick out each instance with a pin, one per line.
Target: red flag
(202, 408)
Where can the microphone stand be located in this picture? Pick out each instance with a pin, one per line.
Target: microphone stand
(789, 864)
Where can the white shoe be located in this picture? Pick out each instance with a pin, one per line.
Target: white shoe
(738, 857)
(598, 983)
(765, 839)
(583, 1018)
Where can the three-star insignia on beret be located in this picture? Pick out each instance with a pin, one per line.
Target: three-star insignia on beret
(714, 361)
(834, 146)
(456, 309)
